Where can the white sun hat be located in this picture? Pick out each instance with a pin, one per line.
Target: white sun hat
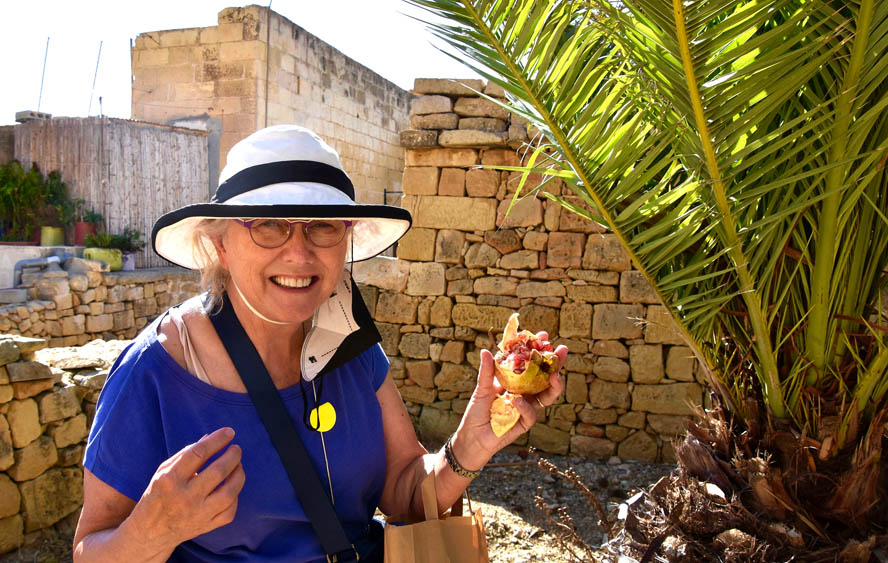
(285, 172)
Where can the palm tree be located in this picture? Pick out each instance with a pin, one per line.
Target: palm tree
(738, 151)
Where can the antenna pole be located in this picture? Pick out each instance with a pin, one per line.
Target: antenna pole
(42, 74)
(94, 80)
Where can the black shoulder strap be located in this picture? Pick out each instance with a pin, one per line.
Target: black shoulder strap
(286, 440)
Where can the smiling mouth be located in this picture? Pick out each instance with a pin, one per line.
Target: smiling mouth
(292, 282)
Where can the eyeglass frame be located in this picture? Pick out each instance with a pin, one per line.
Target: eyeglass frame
(248, 224)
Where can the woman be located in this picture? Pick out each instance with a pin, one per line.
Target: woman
(178, 464)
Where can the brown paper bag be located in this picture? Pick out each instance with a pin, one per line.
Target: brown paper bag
(452, 539)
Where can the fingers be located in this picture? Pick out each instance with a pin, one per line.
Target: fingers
(194, 456)
(486, 372)
(209, 478)
(221, 500)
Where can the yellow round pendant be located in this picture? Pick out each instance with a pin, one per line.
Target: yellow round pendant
(323, 417)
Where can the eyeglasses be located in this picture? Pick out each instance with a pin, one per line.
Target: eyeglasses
(273, 233)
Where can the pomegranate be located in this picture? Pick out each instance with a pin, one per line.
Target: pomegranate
(523, 361)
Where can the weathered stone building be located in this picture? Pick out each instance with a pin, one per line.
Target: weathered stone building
(256, 68)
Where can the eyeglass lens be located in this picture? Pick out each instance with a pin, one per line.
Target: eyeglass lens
(271, 233)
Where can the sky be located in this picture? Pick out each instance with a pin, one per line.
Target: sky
(376, 33)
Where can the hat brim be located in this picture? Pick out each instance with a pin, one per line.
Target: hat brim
(376, 227)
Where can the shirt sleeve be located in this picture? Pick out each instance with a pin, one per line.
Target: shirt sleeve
(379, 365)
(126, 444)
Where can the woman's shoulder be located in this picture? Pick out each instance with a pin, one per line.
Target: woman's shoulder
(189, 313)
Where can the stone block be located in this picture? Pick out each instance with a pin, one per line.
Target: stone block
(524, 212)
(417, 394)
(576, 223)
(78, 282)
(69, 432)
(660, 327)
(481, 317)
(565, 250)
(605, 252)
(680, 363)
(452, 183)
(426, 278)
(479, 107)
(448, 246)
(500, 157)
(6, 457)
(543, 289)
(635, 288)
(9, 352)
(481, 255)
(369, 295)
(442, 157)
(673, 398)
(495, 285)
(33, 459)
(434, 121)
(459, 287)
(576, 320)
(439, 313)
(60, 404)
(579, 362)
(24, 422)
(452, 87)
(415, 345)
(632, 420)
(25, 389)
(611, 369)
(482, 183)
(521, 259)
(504, 241)
(470, 138)
(538, 318)
(459, 213)
(6, 393)
(638, 447)
(613, 348)
(606, 395)
(668, 425)
(616, 433)
(646, 363)
(591, 415)
(72, 455)
(431, 104)
(417, 244)
(146, 307)
(422, 372)
(436, 425)
(123, 320)
(50, 497)
(535, 240)
(27, 371)
(615, 321)
(47, 288)
(12, 534)
(455, 377)
(549, 440)
(99, 323)
(382, 272)
(13, 296)
(598, 277)
(73, 325)
(396, 308)
(391, 337)
(10, 499)
(490, 124)
(454, 352)
(413, 138)
(592, 293)
(576, 391)
(592, 448)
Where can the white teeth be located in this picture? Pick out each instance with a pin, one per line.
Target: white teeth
(291, 282)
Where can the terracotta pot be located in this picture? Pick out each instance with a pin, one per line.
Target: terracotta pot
(81, 229)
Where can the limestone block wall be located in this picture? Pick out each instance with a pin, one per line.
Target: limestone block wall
(466, 266)
(76, 303)
(47, 403)
(257, 68)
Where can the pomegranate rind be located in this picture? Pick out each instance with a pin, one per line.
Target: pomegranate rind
(503, 415)
(535, 377)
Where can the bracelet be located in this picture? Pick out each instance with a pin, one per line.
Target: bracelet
(454, 465)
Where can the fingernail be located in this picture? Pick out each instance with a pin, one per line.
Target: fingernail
(228, 432)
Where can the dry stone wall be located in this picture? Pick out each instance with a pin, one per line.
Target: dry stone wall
(47, 403)
(467, 265)
(77, 302)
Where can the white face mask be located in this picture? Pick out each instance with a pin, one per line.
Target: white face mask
(330, 326)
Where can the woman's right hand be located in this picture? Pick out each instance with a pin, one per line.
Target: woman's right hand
(180, 503)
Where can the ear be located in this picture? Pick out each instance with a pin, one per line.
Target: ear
(219, 244)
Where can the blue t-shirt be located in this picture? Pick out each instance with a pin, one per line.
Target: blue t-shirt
(151, 408)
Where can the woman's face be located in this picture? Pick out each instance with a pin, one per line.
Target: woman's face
(288, 283)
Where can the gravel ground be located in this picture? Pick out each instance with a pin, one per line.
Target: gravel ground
(517, 531)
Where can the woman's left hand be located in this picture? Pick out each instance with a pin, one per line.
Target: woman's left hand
(474, 442)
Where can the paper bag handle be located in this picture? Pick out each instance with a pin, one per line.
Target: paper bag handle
(430, 497)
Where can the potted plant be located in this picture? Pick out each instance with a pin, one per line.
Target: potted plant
(21, 195)
(57, 211)
(115, 249)
(85, 222)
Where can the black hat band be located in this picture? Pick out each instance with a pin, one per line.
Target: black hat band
(283, 171)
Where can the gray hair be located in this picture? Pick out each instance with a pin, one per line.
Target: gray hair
(213, 277)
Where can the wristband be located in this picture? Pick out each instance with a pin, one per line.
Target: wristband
(454, 465)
